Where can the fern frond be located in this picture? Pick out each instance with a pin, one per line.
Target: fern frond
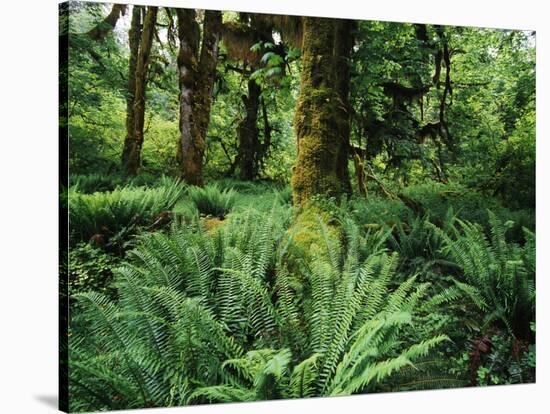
(303, 378)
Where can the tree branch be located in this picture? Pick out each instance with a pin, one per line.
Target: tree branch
(106, 26)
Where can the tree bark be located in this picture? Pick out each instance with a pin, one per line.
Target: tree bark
(266, 144)
(343, 47)
(248, 133)
(197, 82)
(134, 157)
(101, 31)
(134, 36)
(189, 38)
(320, 120)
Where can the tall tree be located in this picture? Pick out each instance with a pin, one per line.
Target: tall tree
(134, 36)
(343, 48)
(262, 61)
(248, 133)
(243, 40)
(322, 114)
(197, 74)
(133, 159)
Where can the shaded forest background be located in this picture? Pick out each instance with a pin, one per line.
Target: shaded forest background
(272, 206)
(488, 111)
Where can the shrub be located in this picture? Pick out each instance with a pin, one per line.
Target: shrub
(468, 204)
(118, 214)
(508, 362)
(148, 179)
(90, 268)
(211, 201)
(514, 167)
(218, 318)
(376, 210)
(248, 187)
(497, 276)
(92, 183)
(284, 195)
(417, 244)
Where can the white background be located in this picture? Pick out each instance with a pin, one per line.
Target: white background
(28, 204)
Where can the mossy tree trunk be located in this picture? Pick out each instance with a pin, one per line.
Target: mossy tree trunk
(322, 114)
(189, 38)
(197, 77)
(134, 36)
(343, 48)
(239, 38)
(248, 133)
(107, 25)
(142, 65)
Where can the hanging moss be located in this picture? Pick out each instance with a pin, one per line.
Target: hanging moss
(238, 39)
(290, 27)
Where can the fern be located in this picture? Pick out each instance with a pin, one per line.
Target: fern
(426, 373)
(220, 317)
(211, 201)
(497, 275)
(303, 378)
(118, 214)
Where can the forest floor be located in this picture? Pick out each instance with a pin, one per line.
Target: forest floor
(449, 278)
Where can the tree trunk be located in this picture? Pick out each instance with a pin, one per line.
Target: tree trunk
(142, 64)
(189, 38)
(196, 98)
(343, 48)
(134, 36)
(321, 116)
(266, 144)
(248, 133)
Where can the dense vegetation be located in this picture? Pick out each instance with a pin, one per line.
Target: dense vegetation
(266, 207)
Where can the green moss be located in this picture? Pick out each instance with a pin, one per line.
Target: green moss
(212, 224)
(320, 116)
(312, 233)
(238, 39)
(316, 124)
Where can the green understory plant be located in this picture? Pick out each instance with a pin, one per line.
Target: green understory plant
(90, 269)
(120, 213)
(217, 317)
(497, 276)
(211, 201)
